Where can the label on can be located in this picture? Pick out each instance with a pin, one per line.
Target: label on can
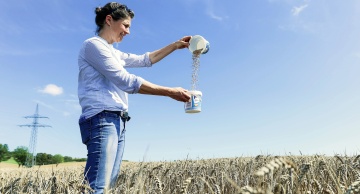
(194, 105)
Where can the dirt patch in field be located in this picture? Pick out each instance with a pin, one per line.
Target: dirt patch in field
(61, 165)
(54, 166)
(64, 165)
(8, 165)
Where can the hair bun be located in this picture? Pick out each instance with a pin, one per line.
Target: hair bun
(98, 10)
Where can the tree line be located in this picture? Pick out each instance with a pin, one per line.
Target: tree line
(21, 153)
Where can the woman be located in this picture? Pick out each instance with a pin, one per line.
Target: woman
(103, 85)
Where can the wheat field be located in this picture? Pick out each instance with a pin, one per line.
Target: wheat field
(260, 174)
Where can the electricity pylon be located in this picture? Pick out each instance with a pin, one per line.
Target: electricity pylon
(31, 157)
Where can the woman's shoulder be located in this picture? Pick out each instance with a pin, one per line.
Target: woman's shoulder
(95, 41)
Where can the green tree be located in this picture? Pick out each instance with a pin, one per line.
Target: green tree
(43, 158)
(20, 154)
(57, 159)
(79, 159)
(4, 152)
(68, 159)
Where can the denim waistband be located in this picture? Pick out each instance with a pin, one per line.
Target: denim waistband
(122, 114)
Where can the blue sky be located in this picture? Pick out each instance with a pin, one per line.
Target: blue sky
(281, 76)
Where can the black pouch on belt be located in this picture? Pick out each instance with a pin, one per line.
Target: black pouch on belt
(125, 116)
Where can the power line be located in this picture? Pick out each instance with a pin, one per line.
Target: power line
(31, 157)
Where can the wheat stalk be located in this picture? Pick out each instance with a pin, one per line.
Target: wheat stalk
(185, 185)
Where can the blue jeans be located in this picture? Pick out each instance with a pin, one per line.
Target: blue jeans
(104, 138)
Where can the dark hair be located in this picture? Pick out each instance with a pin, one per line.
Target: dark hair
(116, 10)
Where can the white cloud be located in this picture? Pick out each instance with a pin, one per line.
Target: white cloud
(52, 89)
(73, 103)
(215, 12)
(297, 10)
(210, 11)
(213, 16)
(64, 113)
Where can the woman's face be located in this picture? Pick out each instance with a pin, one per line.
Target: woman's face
(119, 29)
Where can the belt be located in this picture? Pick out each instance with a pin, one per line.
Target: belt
(122, 114)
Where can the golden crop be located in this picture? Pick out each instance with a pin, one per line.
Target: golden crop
(261, 174)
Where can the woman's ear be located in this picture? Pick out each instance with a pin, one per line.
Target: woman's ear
(108, 20)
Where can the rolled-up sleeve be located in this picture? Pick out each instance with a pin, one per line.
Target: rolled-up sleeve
(132, 60)
(101, 58)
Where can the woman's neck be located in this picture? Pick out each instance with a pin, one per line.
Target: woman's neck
(106, 36)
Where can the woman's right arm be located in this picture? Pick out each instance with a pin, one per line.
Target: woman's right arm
(177, 93)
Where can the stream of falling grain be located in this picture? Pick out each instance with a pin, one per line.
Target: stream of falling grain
(195, 69)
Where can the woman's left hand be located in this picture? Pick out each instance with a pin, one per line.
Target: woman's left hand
(157, 55)
(183, 42)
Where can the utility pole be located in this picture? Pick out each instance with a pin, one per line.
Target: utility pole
(31, 157)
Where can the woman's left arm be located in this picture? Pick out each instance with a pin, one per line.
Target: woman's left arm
(157, 55)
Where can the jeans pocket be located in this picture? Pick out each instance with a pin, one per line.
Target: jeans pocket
(85, 129)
